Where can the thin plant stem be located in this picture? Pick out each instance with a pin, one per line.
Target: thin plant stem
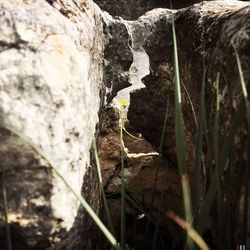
(216, 159)
(191, 232)
(163, 133)
(224, 153)
(180, 142)
(160, 151)
(82, 201)
(5, 203)
(156, 232)
(199, 144)
(132, 136)
(107, 211)
(247, 104)
(191, 105)
(123, 194)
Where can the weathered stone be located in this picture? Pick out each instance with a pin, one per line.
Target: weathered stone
(141, 165)
(109, 145)
(207, 42)
(118, 56)
(208, 33)
(132, 9)
(50, 81)
(57, 61)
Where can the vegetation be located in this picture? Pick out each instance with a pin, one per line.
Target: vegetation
(196, 212)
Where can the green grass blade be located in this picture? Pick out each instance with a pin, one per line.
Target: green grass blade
(123, 193)
(216, 159)
(227, 146)
(163, 133)
(244, 89)
(5, 205)
(187, 204)
(193, 234)
(157, 162)
(199, 144)
(156, 232)
(82, 201)
(105, 203)
(216, 127)
(247, 104)
(180, 142)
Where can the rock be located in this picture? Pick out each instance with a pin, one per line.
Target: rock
(153, 33)
(211, 33)
(131, 9)
(141, 163)
(50, 80)
(117, 54)
(109, 146)
(61, 65)
(208, 43)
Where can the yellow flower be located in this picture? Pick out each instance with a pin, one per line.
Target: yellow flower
(124, 103)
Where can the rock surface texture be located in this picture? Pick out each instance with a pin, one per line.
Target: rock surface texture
(118, 55)
(141, 165)
(50, 80)
(213, 40)
(132, 9)
(62, 63)
(219, 30)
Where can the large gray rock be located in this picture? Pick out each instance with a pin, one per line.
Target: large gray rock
(118, 56)
(210, 32)
(58, 60)
(132, 9)
(217, 29)
(50, 81)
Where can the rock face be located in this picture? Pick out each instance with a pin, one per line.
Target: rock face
(118, 55)
(142, 164)
(50, 81)
(218, 30)
(62, 63)
(207, 43)
(132, 9)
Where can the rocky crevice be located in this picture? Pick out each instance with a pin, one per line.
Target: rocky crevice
(217, 29)
(58, 79)
(133, 9)
(118, 56)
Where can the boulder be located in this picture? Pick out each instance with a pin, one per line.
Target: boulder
(61, 65)
(118, 56)
(219, 29)
(133, 9)
(51, 74)
(208, 36)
